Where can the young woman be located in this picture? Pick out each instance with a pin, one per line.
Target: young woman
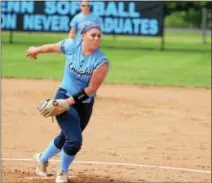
(85, 70)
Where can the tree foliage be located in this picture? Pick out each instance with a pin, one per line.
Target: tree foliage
(177, 6)
(189, 12)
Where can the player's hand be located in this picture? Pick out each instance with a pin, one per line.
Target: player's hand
(31, 52)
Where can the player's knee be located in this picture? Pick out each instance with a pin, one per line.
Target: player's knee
(73, 147)
(59, 141)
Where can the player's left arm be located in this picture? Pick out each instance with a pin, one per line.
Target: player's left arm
(97, 78)
(51, 107)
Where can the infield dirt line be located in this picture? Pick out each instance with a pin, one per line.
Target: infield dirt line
(118, 164)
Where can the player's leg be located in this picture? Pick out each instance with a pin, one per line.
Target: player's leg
(56, 145)
(50, 151)
(69, 123)
(85, 111)
(54, 148)
(72, 125)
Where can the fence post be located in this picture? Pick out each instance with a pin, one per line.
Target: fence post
(209, 16)
(162, 48)
(11, 37)
(162, 43)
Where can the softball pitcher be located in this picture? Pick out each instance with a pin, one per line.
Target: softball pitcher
(85, 70)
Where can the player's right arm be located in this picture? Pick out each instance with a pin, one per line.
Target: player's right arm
(65, 46)
(47, 48)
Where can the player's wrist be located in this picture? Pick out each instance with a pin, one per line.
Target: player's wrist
(64, 104)
(80, 96)
(70, 101)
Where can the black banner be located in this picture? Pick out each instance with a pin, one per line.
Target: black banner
(118, 17)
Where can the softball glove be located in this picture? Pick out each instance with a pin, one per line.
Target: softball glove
(50, 107)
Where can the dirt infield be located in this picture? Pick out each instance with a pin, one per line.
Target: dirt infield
(163, 127)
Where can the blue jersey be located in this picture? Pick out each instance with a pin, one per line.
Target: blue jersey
(78, 68)
(79, 20)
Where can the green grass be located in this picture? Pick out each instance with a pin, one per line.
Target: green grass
(185, 62)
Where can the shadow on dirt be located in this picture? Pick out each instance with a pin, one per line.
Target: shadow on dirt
(28, 177)
(86, 179)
